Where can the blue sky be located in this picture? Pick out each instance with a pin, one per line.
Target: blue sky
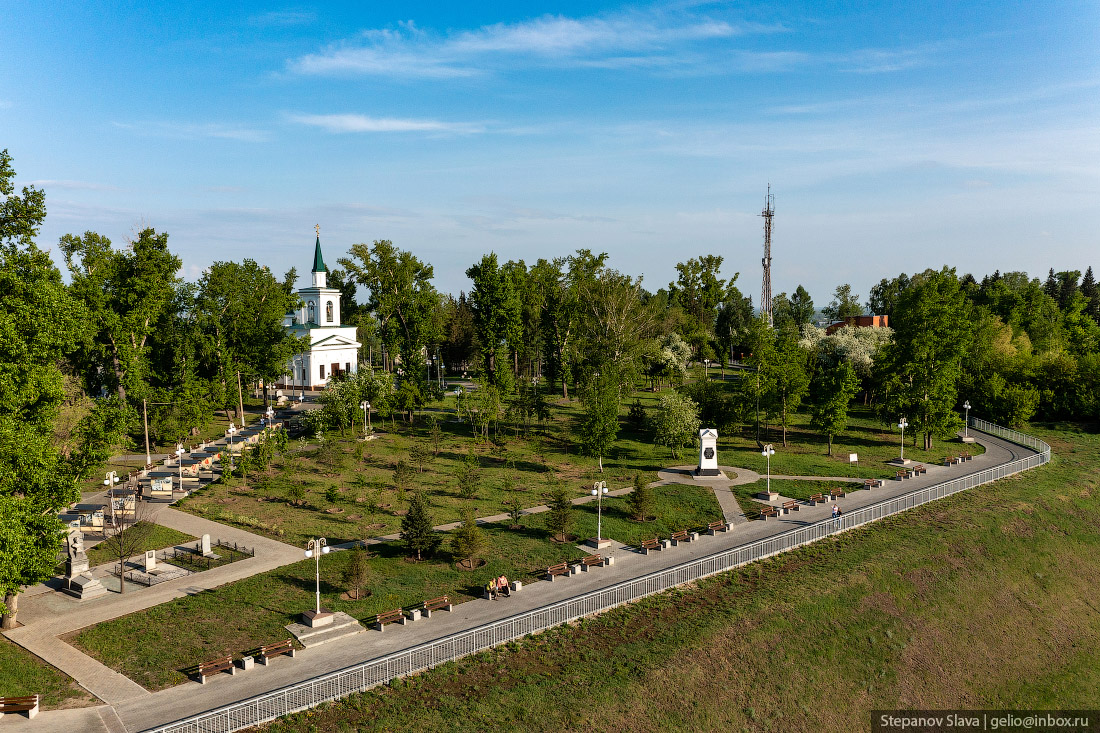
(895, 136)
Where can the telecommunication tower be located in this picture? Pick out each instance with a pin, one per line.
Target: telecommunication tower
(766, 261)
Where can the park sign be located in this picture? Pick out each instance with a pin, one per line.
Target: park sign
(853, 458)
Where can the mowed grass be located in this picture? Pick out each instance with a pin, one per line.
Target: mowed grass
(153, 537)
(153, 647)
(22, 673)
(986, 599)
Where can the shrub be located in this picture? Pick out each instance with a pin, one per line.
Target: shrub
(640, 501)
(468, 541)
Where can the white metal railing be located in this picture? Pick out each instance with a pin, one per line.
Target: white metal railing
(363, 676)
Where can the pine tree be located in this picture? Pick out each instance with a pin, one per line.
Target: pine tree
(356, 573)
(1091, 294)
(417, 531)
(639, 502)
(468, 541)
(560, 517)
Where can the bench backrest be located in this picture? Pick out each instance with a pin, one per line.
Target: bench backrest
(284, 644)
(216, 664)
(715, 525)
(391, 615)
(557, 568)
(592, 559)
(436, 602)
(9, 702)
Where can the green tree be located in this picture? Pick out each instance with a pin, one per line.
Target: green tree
(844, 305)
(802, 307)
(640, 501)
(922, 367)
(788, 379)
(39, 323)
(356, 572)
(496, 310)
(125, 293)
(560, 517)
(831, 390)
(468, 540)
(417, 528)
(469, 475)
(598, 425)
(675, 422)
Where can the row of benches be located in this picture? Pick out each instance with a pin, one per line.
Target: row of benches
(401, 616)
(682, 535)
(562, 569)
(263, 654)
(792, 505)
(910, 472)
(952, 460)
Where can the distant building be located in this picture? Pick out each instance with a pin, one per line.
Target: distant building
(332, 346)
(859, 322)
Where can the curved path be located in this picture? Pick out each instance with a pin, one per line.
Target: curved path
(135, 712)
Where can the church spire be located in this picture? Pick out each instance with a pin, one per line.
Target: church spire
(318, 260)
(319, 269)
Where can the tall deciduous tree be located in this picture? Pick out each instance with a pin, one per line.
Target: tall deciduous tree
(921, 368)
(125, 293)
(786, 376)
(496, 309)
(675, 422)
(598, 424)
(802, 307)
(844, 305)
(38, 326)
(833, 387)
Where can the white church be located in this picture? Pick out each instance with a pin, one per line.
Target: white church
(332, 346)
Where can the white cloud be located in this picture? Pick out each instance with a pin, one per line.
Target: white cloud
(618, 40)
(338, 123)
(196, 130)
(47, 183)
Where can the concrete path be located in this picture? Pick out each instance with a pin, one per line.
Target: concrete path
(138, 709)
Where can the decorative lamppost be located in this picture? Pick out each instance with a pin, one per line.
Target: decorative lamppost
(110, 482)
(230, 433)
(270, 415)
(768, 452)
(316, 548)
(966, 422)
(366, 416)
(903, 424)
(179, 461)
(706, 369)
(598, 490)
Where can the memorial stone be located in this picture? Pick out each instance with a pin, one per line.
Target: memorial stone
(150, 560)
(206, 551)
(708, 453)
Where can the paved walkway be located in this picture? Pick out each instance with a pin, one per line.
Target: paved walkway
(138, 709)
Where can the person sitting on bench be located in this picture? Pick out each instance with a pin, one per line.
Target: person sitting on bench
(491, 589)
(503, 587)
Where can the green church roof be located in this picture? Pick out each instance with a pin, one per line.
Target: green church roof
(318, 260)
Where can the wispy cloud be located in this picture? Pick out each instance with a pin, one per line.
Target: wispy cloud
(196, 130)
(73, 185)
(632, 39)
(339, 123)
(283, 18)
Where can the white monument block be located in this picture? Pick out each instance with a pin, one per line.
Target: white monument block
(206, 546)
(150, 560)
(708, 453)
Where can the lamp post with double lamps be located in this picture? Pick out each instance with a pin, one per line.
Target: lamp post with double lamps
(179, 461)
(315, 548)
(366, 417)
(768, 452)
(706, 369)
(599, 488)
(229, 434)
(110, 482)
(966, 422)
(903, 424)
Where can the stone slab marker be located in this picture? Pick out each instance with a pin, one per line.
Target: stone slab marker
(206, 546)
(150, 560)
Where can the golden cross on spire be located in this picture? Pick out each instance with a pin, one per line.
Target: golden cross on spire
(318, 228)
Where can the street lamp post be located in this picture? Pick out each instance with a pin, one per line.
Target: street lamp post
(903, 424)
(966, 421)
(706, 369)
(179, 461)
(366, 416)
(316, 548)
(768, 452)
(598, 490)
(230, 433)
(110, 482)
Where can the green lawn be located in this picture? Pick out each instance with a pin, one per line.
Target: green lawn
(154, 646)
(22, 673)
(154, 537)
(986, 599)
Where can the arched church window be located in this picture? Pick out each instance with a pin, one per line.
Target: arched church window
(328, 312)
(312, 312)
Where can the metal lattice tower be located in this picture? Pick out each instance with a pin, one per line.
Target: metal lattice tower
(766, 261)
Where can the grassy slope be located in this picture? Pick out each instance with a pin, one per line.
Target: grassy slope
(986, 599)
(22, 673)
(242, 615)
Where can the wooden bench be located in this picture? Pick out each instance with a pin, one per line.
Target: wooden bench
(650, 545)
(443, 603)
(967, 457)
(592, 561)
(25, 704)
(872, 483)
(837, 494)
(211, 668)
(270, 651)
(790, 506)
(719, 526)
(766, 512)
(683, 536)
(816, 499)
(380, 620)
(562, 568)
(919, 469)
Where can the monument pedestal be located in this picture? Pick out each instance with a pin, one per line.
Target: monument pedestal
(967, 439)
(899, 462)
(314, 619)
(708, 453)
(599, 544)
(84, 587)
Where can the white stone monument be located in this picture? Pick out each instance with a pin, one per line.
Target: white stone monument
(150, 560)
(205, 547)
(79, 582)
(708, 453)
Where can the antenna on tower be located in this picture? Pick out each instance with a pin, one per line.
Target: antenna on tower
(766, 261)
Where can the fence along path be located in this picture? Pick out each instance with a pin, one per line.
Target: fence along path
(360, 677)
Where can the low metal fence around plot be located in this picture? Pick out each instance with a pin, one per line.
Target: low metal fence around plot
(360, 677)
